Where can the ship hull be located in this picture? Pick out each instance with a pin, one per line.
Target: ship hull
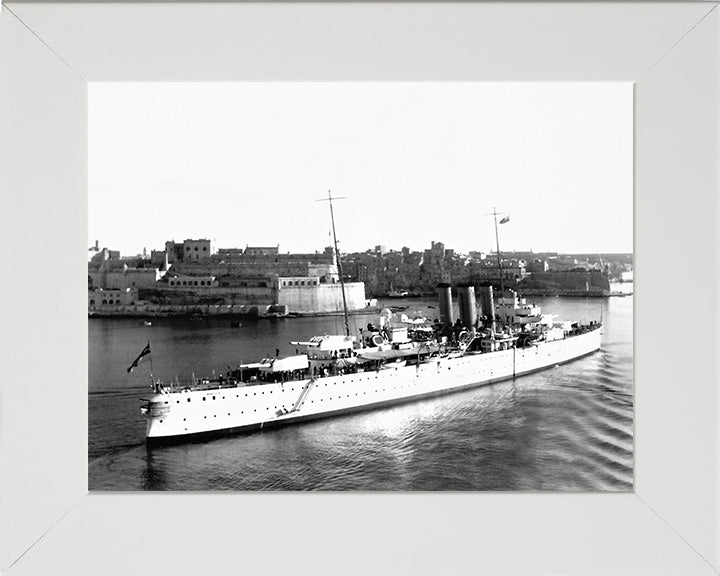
(203, 414)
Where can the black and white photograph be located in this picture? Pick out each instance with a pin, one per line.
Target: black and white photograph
(360, 286)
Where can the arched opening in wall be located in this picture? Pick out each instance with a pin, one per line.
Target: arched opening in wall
(104, 301)
(92, 302)
(90, 282)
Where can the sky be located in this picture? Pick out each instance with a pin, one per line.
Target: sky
(244, 163)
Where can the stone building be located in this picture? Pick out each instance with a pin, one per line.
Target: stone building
(195, 250)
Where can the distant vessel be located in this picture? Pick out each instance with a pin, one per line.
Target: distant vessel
(398, 294)
(399, 360)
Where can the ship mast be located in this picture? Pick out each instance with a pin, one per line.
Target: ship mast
(338, 262)
(497, 241)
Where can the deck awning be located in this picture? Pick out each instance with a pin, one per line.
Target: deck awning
(299, 362)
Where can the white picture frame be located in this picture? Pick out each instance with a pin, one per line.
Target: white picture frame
(49, 523)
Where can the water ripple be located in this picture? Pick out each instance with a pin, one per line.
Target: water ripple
(567, 428)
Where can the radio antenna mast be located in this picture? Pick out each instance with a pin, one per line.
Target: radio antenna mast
(338, 262)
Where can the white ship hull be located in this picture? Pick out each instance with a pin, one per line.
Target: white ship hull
(178, 416)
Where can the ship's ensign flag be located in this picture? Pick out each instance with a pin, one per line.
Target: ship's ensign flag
(505, 220)
(145, 352)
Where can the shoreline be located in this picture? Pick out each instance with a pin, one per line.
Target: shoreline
(201, 314)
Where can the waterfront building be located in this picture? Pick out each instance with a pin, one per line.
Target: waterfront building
(262, 250)
(111, 299)
(175, 251)
(229, 281)
(184, 281)
(195, 250)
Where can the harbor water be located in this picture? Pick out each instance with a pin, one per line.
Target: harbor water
(568, 428)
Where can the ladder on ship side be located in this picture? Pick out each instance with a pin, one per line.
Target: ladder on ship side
(303, 396)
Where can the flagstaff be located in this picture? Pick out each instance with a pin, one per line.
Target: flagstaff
(504, 220)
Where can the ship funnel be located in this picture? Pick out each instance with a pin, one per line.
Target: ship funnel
(467, 306)
(487, 302)
(445, 304)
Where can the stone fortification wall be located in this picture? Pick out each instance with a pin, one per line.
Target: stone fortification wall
(213, 295)
(147, 310)
(566, 281)
(123, 279)
(235, 255)
(254, 267)
(322, 298)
